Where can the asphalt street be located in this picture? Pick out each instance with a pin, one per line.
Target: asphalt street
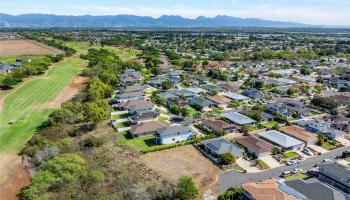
(236, 179)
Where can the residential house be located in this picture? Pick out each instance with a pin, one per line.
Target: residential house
(212, 89)
(146, 128)
(218, 146)
(123, 97)
(314, 189)
(299, 133)
(335, 175)
(196, 90)
(288, 108)
(238, 118)
(339, 122)
(130, 76)
(167, 95)
(131, 89)
(255, 146)
(219, 101)
(284, 141)
(218, 126)
(200, 103)
(270, 189)
(283, 81)
(184, 93)
(264, 117)
(252, 93)
(320, 126)
(135, 105)
(230, 86)
(237, 97)
(173, 134)
(139, 116)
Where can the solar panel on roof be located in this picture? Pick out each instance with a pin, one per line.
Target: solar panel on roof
(212, 147)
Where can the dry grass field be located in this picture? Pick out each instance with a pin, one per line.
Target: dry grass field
(24, 48)
(185, 160)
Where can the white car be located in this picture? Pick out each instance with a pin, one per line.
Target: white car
(297, 170)
(327, 160)
(301, 159)
(286, 173)
(289, 163)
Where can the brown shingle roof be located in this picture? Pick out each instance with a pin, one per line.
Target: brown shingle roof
(131, 103)
(298, 132)
(217, 124)
(219, 99)
(267, 190)
(147, 127)
(255, 144)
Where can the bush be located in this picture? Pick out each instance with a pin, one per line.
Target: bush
(187, 188)
(227, 158)
(231, 194)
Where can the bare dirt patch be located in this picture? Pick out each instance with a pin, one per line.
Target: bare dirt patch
(13, 176)
(68, 92)
(24, 47)
(185, 160)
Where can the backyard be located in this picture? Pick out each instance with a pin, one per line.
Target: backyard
(144, 144)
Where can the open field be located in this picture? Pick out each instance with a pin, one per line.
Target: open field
(28, 106)
(185, 160)
(124, 53)
(10, 48)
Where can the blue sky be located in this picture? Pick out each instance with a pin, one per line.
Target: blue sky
(330, 12)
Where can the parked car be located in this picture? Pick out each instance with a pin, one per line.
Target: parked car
(301, 159)
(297, 170)
(327, 160)
(286, 173)
(308, 152)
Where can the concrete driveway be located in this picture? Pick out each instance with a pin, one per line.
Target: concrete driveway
(271, 161)
(247, 166)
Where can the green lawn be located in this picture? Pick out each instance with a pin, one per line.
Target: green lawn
(328, 146)
(296, 176)
(125, 54)
(291, 154)
(25, 105)
(262, 165)
(8, 59)
(270, 124)
(146, 143)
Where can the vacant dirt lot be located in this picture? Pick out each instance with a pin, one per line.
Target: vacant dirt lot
(186, 160)
(24, 47)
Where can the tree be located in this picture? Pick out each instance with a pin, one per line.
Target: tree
(227, 158)
(184, 112)
(276, 150)
(186, 188)
(96, 112)
(166, 85)
(258, 84)
(321, 139)
(231, 194)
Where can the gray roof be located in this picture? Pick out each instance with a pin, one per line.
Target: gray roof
(171, 130)
(236, 96)
(238, 118)
(280, 139)
(166, 95)
(315, 190)
(336, 172)
(222, 145)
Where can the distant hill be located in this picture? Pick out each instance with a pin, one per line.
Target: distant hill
(49, 20)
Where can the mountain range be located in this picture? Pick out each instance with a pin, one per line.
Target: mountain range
(110, 21)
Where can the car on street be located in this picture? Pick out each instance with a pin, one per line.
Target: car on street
(308, 152)
(297, 170)
(286, 173)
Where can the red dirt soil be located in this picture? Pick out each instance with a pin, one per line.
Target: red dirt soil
(16, 176)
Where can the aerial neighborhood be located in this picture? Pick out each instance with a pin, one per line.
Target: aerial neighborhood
(244, 114)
